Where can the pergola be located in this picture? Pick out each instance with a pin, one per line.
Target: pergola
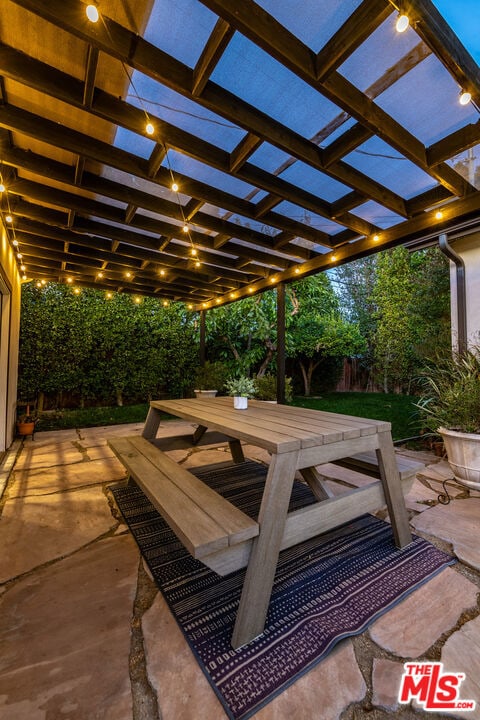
(299, 134)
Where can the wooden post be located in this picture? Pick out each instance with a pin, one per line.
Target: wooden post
(202, 337)
(281, 343)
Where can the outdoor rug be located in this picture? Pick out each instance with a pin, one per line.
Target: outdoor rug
(326, 589)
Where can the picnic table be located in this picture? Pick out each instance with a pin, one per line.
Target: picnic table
(298, 440)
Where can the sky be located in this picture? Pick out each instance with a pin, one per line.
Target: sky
(463, 16)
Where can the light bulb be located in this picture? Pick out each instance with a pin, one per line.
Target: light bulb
(69, 280)
(77, 291)
(333, 257)
(8, 218)
(376, 238)
(193, 252)
(128, 274)
(402, 23)
(22, 268)
(92, 13)
(149, 128)
(44, 282)
(108, 296)
(137, 300)
(100, 275)
(465, 97)
(273, 280)
(2, 187)
(250, 290)
(185, 228)
(174, 187)
(24, 277)
(15, 242)
(218, 301)
(39, 284)
(190, 307)
(165, 303)
(162, 272)
(19, 256)
(438, 215)
(197, 264)
(297, 270)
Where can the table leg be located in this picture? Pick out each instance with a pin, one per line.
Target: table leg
(198, 434)
(152, 424)
(392, 488)
(236, 450)
(257, 586)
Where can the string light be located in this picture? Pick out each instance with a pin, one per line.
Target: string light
(138, 300)
(190, 307)
(162, 272)
(128, 274)
(149, 128)
(175, 187)
(100, 275)
(165, 303)
(193, 251)
(92, 13)
(465, 97)
(376, 238)
(438, 215)
(197, 264)
(108, 295)
(15, 242)
(218, 301)
(76, 291)
(8, 219)
(185, 228)
(402, 23)
(2, 187)
(69, 280)
(333, 257)
(250, 290)
(297, 270)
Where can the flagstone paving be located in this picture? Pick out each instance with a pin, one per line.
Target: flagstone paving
(85, 634)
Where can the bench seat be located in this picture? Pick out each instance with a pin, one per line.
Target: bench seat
(367, 464)
(203, 520)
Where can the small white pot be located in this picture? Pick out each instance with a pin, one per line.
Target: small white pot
(205, 393)
(240, 403)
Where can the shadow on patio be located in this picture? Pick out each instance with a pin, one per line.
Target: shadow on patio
(85, 633)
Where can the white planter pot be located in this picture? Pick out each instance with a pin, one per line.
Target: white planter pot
(205, 393)
(240, 403)
(463, 451)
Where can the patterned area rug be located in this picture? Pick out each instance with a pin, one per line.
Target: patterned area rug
(325, 589)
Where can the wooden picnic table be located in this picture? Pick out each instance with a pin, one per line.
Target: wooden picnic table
(298, 439)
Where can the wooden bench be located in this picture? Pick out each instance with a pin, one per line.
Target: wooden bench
(203, 520)
(363, 464)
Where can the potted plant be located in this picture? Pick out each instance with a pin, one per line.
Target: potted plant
(210, 378)
(450, 407)
(241, 388)
(26, 423)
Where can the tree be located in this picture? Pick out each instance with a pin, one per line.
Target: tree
(316, 328)
(412, 313)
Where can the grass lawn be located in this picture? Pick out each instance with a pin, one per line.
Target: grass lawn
(93, 417)
(397, 409)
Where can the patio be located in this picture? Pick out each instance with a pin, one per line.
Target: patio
(86, 634)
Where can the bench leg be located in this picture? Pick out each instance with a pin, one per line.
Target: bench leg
(198, 434)
(392, 489)
(257, 586)
(152, 424)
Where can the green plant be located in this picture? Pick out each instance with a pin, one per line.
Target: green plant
(451, 392)
(211, 376)
(241, 387)
(267, 388)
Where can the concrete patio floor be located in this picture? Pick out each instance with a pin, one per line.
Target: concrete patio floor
(85, 634)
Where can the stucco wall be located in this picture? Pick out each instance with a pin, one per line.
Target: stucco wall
(9, 334)
(468, 248)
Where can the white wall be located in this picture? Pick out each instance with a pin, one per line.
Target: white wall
(9, 334)
(468, 248)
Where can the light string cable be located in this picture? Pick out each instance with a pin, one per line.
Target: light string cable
(10, 225)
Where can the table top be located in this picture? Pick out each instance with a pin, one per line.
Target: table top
(278, 428)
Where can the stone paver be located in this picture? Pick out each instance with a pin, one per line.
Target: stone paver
(65, 637)
(386, 678)
(412, 626)
(45, 456)
(332, 685)
(65, 477)
(37, 529)
(457, 523)
(461, 653)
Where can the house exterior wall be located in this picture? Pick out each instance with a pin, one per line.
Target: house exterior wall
(468, 248)
(10, 293)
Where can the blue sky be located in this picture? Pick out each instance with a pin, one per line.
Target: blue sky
(463, 16)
